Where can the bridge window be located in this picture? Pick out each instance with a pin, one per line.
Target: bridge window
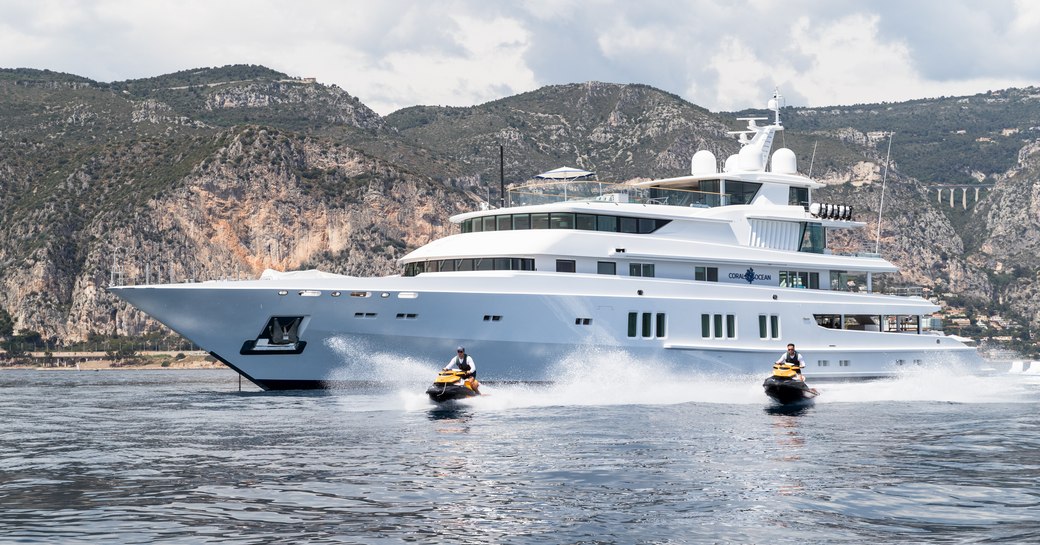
(741, 192)
(798, 196)
(606, 267)
(814, 238)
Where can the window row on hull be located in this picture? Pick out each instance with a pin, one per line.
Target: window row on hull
(838, 280)
(470, 264)
(563, 220)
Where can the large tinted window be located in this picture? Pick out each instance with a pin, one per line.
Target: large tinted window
(741, 192)
(561, 220)
(586, 222)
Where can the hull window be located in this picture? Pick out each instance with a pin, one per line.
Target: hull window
(565, 265)
(647, 325)
(641, 269)
(706, 274)
(769, 326)
(718, 326)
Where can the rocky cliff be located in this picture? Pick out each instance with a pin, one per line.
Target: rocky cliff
(225, 172)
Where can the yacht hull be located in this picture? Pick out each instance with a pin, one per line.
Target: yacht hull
(336, 331)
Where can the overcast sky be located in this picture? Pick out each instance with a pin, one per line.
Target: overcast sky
(723, 55)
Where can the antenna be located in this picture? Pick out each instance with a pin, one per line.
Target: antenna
(775, 104)
(501, 176)
(812, 160)
(884, 178)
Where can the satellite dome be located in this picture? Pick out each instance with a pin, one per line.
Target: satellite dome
(703, 163)
(784, 162)
(731, 164)
(750, 159)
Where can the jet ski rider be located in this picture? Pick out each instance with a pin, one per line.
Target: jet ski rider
(794, 359)
(464, 362)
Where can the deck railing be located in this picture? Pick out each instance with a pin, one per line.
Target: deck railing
(592, 190)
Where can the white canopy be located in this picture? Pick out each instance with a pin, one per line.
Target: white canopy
(564, 173)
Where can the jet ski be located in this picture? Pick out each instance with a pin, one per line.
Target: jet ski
(785, 386)
(451, 384)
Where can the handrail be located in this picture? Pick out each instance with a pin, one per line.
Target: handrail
(596, 191)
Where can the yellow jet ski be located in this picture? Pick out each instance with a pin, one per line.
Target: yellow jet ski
(786, 385)
(452, 384)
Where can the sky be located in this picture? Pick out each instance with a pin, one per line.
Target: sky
(722, 55)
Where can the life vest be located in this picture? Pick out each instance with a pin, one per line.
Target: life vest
(463, 366)
(792, 359)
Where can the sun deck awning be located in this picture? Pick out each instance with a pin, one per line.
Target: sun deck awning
(565, 173)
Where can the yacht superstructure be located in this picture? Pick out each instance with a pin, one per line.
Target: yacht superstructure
(711, 272)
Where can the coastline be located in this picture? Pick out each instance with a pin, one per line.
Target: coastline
(99, 361)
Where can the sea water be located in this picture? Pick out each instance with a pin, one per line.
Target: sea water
(611, 453)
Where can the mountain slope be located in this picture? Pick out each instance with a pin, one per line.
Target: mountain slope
(227, 171)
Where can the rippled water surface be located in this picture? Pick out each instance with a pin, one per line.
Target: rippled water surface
(606, 456)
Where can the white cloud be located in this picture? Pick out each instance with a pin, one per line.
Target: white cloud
(397, 53)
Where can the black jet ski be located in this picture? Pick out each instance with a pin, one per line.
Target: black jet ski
(451, 384)
(785, 386)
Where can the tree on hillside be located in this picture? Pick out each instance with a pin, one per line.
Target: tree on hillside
(6, 324)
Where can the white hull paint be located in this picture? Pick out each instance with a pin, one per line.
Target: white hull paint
(519, 333)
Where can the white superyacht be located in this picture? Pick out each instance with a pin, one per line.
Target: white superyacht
(714, 272)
